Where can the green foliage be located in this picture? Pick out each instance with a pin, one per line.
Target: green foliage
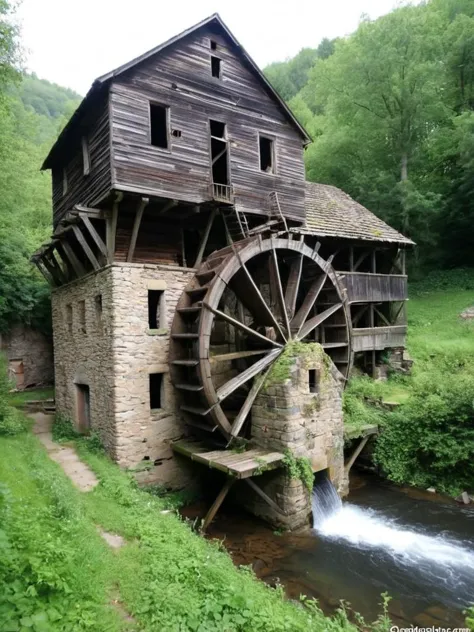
(20, 398)
(9, 45)
(299, 468)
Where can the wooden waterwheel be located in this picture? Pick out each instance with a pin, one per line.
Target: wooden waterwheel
(246, 303)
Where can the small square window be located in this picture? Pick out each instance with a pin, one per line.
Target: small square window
(216, 67)
(266, 152)
(156, 386)
(213, 45)
(156, 309)
(159, 125)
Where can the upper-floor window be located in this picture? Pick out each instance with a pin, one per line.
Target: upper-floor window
(267, 154)
(86, 160)
(213, 44)
(216, 67)
(159, 128)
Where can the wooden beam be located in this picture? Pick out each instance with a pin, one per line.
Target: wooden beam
(249, 400)
(55, 267)
(236, 355)
(373, 263)
(45, 272)
(136, 227)
(205, 237)
(351, 258)
(276, 289)
(216, 504)
(360, 259)
(183, 248)
(95, 236)
(87, 211)
(293, 285)
(308, 303)
(73, 260)
(85, 246)
(355, 454)
(264, 496)
(387, 322)
(112, 227)
(236, 382)
(169, 205)
(314, 322)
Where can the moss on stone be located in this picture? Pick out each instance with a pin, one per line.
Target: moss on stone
(304, 351)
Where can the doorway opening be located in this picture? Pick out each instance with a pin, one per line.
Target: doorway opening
(219, 153)
(83, 408)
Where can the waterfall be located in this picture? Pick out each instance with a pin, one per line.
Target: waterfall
(326, 501)
(365, 528)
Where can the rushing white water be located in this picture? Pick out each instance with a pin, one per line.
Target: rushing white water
(365, 528)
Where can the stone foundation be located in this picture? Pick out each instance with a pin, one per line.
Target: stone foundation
(30, 356)
(105, 343)
(299, 409)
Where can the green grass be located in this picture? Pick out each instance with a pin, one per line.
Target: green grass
(56, 572)
(19, 398)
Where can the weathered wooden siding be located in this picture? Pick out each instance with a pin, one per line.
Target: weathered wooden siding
(378, 338)
(85, 189)
(181, 79)
(365, 287)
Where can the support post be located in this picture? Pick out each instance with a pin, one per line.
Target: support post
(73, 260)
(95, 235)
(205, 237)
(355, 454)
(111, 230)
(217, 503)
(85, 246)
(136, 227)
(264, 496)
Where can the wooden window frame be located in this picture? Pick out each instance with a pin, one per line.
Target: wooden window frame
(86, 159)
(168, 126)
(221, 67)
(272, 139)
(227, 140)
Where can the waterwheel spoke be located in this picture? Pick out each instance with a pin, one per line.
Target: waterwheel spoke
(237, 355)
(246, 290)
(308, 303)
(276, 289)
(238, 325)
(236, 382)
(314, 322)
(247, 406)
(293, 285)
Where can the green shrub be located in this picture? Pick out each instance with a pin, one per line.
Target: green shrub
(429, 441)
(63, 429)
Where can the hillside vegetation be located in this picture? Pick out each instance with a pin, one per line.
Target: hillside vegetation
(390, 110)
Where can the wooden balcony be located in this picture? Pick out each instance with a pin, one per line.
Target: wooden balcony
(365, 287)
(222, 193)
(378, 338)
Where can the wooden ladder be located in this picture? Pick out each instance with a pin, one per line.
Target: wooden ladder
(275, 209)
(236, 224)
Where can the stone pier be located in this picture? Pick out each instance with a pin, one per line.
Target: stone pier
(298, 410)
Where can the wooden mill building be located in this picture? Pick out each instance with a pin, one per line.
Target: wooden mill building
(189, 254)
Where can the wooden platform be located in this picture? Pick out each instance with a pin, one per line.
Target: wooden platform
(360, 431)
(235, 464)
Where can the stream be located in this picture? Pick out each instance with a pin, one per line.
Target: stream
(416, 546)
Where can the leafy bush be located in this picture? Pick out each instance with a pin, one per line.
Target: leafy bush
(429, 441)
(63, 429)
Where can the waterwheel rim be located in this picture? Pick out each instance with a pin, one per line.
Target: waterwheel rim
(268, 293)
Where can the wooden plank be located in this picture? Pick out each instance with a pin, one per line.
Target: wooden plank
(247, 406)
(45, 272)
(308, 303)
(85, 246)
(111, 227)
(258, 490)
(314, 322)
(293, 285)
(216, 504)
(95, 235)
(55, 268)
(205, 238)
(236, 355)
(73, 260)
(355, 454)
(238, 325)
(233, 384)
(136, 227)
(275, 283)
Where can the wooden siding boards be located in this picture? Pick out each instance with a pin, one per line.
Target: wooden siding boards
(365, 287)
(180, 77)
(85, 189)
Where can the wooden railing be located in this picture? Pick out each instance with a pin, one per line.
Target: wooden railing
(222, 192)
(369, 338)
(365, 287)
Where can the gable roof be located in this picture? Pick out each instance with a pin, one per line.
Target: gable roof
(101, 83)
(332, 213)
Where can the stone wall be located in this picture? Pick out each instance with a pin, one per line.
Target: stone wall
(116, 359)
(301, 412)
(31, 352)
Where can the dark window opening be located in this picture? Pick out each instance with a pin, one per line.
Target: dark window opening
(82, 316)
(176, 133)
(156, 382)
(159, 125)
(155, 308)
(313, 380)
(69, 317)
(266, 154)
(216, 67)
(213, 45)
(83, 408)
(219, 153)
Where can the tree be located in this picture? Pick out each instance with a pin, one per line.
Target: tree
(9, 46)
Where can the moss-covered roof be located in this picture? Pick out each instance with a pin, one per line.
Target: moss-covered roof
(332, 213)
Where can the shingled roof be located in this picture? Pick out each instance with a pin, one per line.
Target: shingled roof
(332, 213)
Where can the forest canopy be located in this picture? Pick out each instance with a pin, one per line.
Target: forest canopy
(390, 111)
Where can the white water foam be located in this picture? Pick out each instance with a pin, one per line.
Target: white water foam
(365, 528)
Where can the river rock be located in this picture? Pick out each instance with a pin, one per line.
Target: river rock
(464, 498)
(432, 490)
(468, 313)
